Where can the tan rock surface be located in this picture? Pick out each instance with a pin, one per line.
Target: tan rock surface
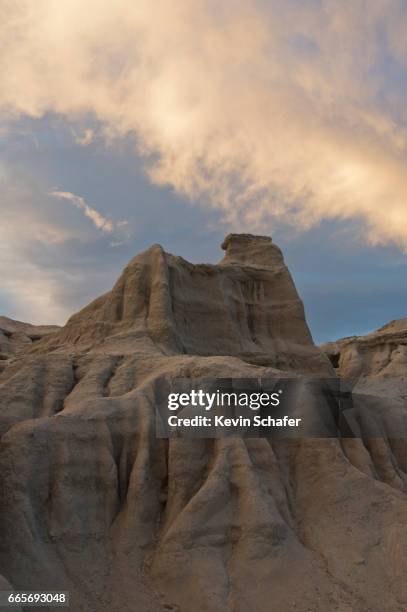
(375, 363)
(94, 503)
(15, 337)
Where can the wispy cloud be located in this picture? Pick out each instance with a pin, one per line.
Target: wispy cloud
(98, 220)
(280, 109)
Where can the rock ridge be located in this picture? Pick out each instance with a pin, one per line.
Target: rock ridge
(247, 306)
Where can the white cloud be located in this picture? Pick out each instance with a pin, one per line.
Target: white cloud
(98, 220)
(287, 109)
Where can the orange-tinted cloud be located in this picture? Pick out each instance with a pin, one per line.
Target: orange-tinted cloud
(282, 109)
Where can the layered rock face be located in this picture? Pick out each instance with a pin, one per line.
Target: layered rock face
(375, 363)
(95, 504)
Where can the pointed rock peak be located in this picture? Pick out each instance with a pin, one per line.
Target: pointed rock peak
(251, 250)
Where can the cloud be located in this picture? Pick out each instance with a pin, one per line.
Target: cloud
(50, 255)
(85, 138)
(287, 109)
(28, 222)
(98, 220)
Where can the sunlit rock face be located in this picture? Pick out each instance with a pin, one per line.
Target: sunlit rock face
(94, 503)
(251, 250)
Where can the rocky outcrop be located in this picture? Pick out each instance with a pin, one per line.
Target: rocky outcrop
(16, 337)
(95, 504)
(251, 250)
(164, 305)
(375, 363)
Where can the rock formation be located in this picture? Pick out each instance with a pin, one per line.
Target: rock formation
(375, 363)
(95, 504)
(164, 305)
(16, 336)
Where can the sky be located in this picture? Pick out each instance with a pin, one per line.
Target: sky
(130, 123)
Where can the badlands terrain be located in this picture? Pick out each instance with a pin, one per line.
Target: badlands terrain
(93, 503)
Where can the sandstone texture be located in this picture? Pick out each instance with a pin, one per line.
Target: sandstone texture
(92, 502)
(16, 336)
(375, 363)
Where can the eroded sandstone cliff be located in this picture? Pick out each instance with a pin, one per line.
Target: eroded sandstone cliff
(94, 503)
